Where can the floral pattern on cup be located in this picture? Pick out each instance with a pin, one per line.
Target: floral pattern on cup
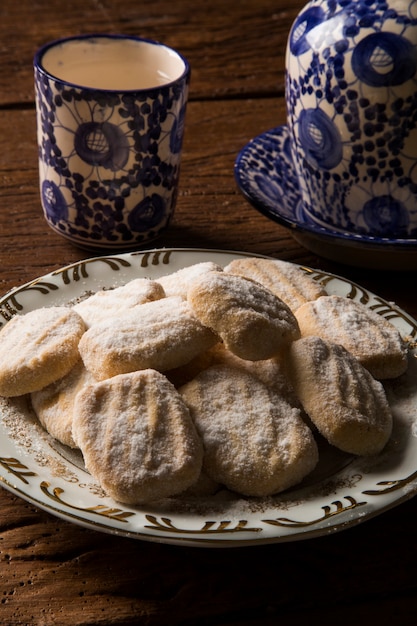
(351, 92)
(109, 161)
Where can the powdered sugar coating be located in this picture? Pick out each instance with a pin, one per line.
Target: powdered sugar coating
(371, 338)
(271, 372)
(178, 283)
(255, 443)
(253, 323)
(106, 304)
(38, 348)
(159, 335)
(286, 280)
(137, 437)
(54, 404)
(348, 406)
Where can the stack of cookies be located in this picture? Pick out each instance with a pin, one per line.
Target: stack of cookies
(208, 376)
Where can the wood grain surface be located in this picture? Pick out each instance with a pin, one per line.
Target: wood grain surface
(53, 572)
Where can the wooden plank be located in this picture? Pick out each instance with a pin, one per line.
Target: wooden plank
(219, 48)
(57, 573)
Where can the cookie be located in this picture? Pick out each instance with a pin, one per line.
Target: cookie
(346, 404)
(54, 404)
(178, 283)
(107, 304)
(38, 348)
(252, 322)
(137, 437)
(287, 281)
(159, 335)
(271, 372)
(371, 338)
(255, 443)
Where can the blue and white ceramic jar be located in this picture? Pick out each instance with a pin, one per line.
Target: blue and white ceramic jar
(351, 91)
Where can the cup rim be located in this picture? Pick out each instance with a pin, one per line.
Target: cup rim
(40, 52)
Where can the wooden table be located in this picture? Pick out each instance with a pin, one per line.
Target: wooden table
(55, 572)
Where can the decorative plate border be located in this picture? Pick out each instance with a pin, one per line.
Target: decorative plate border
(35, 468)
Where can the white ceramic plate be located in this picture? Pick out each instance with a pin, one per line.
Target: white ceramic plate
(342, 491)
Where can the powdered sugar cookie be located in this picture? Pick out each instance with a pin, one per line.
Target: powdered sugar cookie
(252, 322)
(159, 335)
(348, 406)
(137, 437)
(372, 339)
(54, 404)
(271, 372)
(287, 281)
(38, 348)
(109, 303)
(255, 443)
(178, 283)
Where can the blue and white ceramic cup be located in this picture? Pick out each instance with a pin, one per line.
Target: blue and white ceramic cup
(351, 93)
(110, 120)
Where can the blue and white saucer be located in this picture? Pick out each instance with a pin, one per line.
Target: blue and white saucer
(265, 175)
